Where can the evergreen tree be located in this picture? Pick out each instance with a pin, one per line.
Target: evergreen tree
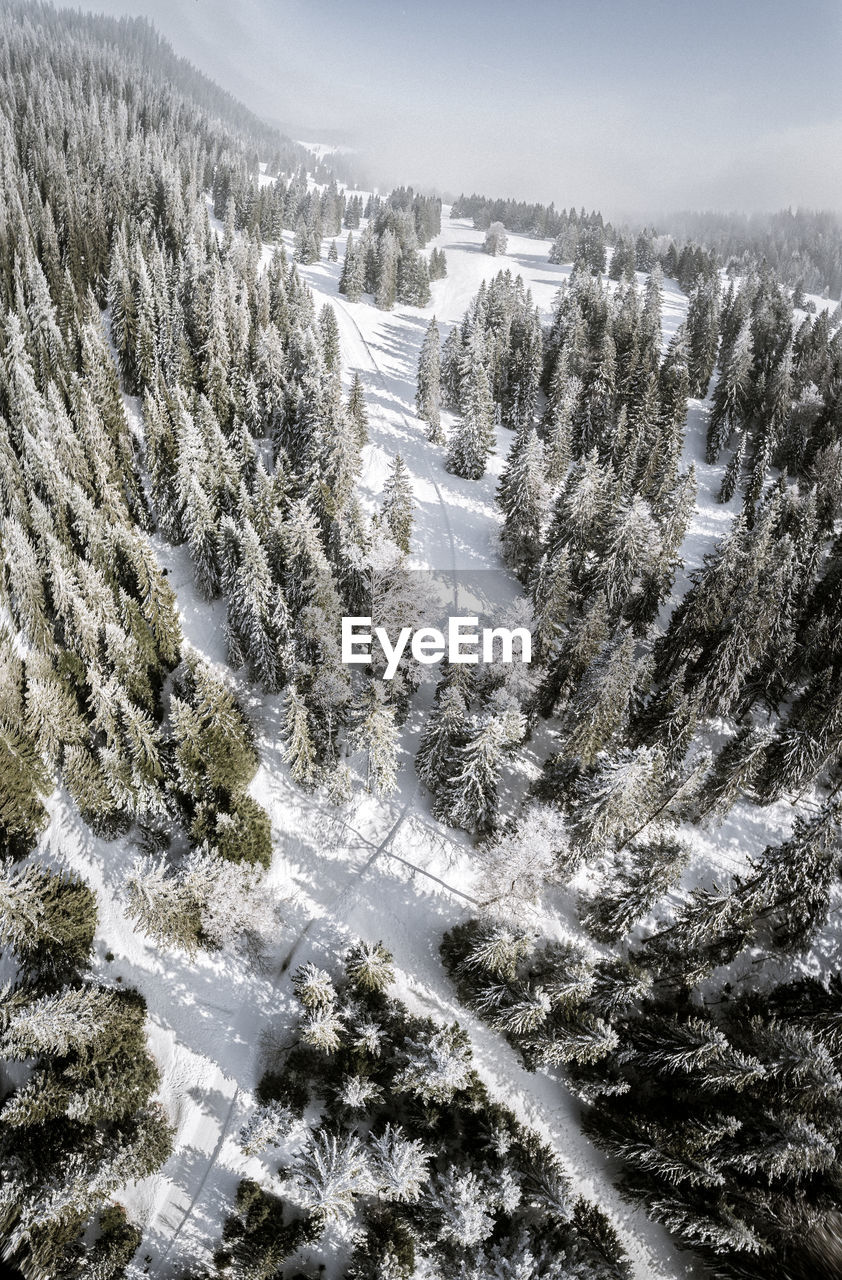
(619, 797)
(600, 702)
(357, 411)
(400, 1165)
(633, 884)
(733, 471)
(385, 292)
(299, 752)
(472, 793)
(397, 503)
(730, 395)
(331, 1171)
(428, 388)
(521, 494)
(48, 919)
(702, 335)
(472, 439)
(377, 736)
(496, 241)
(352, 278)
(445, 732)
(368, 966)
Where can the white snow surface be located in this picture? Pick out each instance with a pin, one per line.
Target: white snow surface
(378, 869)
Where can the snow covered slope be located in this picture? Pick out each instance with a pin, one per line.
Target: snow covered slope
(381, 869)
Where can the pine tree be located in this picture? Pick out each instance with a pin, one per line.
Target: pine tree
(730, 396)
(472, 440)
(631, 553)
(330, 1173)
(522, 496)
(619, 797)
(313, 987)
(438, 264)
(445, 731)
(452, 353)
(600, 703)
(369, 967)
(428, 389)
(25, 782)
(472, 793)
(357, 411)
(556, 423)
(595, 410)
(199, 523)
(523, 367)
(163, 905)
(438, 1063)
(733, 471)
(464, 1208)
(351, 281)
(399, 1165)
(551, 598)
(377, 736)
(329, 335)
(48, 919)
(633, 884)
(385, 294)
(702, 335)
(299, 752)
(66, 1022)
(496, 241)
(398, 503)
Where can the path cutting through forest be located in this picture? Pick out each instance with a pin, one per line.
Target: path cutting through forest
(384, 869)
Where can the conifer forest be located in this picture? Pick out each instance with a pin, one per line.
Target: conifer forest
(385, 967)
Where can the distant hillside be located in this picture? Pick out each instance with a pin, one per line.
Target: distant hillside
(801, 247)
(151, 57)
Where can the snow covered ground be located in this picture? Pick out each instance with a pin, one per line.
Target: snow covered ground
(380, 869)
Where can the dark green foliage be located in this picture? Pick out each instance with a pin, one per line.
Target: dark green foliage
(388, 1246)
(115, 1246)
(729, 1127)
(256, 1239)
(439, 1152)
(633, 884)
(24, 779)
(240, 832)
(369, 967)
(23, 782)
(536, 995)
(735, 628)
(48, 919)
(779, 903)
(213, 743)
(84, 1120)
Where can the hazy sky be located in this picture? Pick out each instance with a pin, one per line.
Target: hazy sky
(629, 105)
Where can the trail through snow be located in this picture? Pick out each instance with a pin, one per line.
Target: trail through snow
(380, 869)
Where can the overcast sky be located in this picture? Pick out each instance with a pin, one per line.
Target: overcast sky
(627, 105)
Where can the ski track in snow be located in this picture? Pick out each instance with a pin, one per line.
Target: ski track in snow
(379, 869)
